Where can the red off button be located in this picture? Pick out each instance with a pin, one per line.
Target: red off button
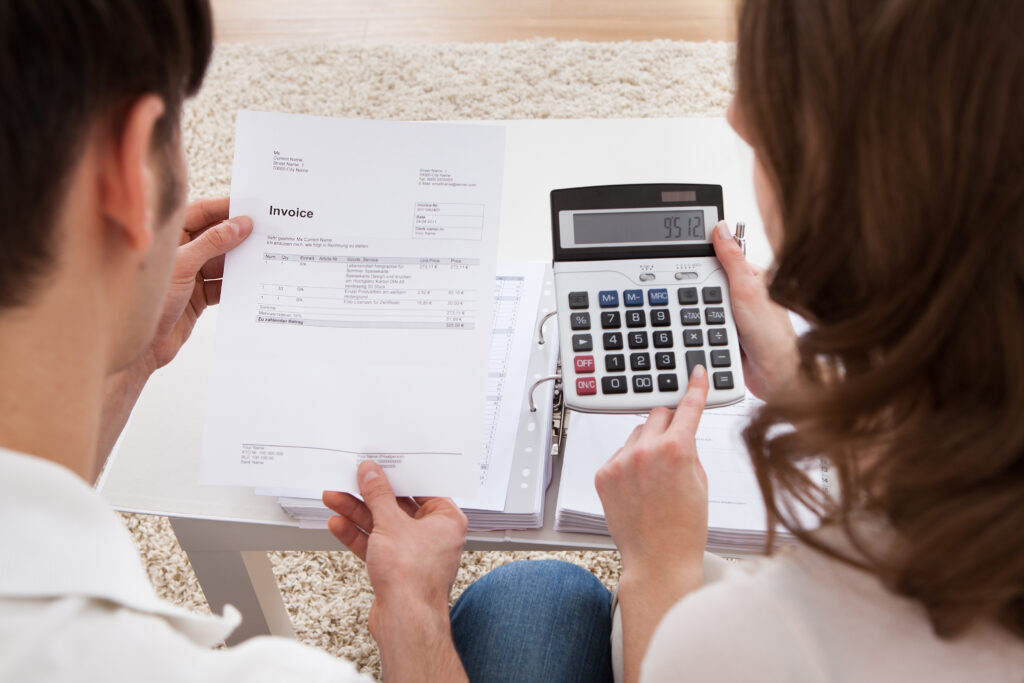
(586, 386)
(584, 364)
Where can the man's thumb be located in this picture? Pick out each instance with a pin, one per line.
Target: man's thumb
(217, 240)
(375, 489)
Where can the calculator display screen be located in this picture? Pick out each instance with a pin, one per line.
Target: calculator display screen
(635, 227)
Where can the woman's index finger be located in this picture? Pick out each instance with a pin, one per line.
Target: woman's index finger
(691, 407)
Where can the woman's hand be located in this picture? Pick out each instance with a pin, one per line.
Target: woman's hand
(767, 337)
(654, 490)
(412, 549)
(655, 497)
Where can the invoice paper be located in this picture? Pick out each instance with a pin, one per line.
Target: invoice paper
(355, 321)
(517, 288)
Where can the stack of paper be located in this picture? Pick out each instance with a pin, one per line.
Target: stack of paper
(736, 514)
(514, 455)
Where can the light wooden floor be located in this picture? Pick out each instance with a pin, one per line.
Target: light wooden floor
(379, 21)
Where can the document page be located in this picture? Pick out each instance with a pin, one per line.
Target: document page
(734, 499)
(355, 321)
(517, 288)
(516, 298)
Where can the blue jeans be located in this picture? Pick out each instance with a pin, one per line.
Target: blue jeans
(539, 620)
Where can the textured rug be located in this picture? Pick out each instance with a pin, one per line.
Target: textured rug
(327, 594)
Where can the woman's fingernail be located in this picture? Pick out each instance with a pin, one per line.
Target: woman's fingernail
(371, 473)
(235, 227)
(699, 372)
(723, 230)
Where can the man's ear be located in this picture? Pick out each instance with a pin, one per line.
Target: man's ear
(129, 191)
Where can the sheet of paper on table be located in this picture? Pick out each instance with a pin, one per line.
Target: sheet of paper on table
(355, 321)
(736, 512)
(733, 496)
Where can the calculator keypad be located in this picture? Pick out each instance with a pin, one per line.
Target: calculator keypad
(646, 339)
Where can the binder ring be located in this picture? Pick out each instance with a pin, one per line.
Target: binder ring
(533, 387)
(540, 328)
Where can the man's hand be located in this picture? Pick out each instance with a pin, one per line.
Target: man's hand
(412, 548)
(195, 284)
(196, 279)
(655, 498)
(766, 333)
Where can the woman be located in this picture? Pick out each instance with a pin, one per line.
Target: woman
(890, 176)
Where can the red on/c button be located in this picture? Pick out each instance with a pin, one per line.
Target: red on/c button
(584, 364)
(586, 386)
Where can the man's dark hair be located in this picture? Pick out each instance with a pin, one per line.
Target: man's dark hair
(63, 64)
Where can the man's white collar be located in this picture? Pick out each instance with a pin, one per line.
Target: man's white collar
(60, 539)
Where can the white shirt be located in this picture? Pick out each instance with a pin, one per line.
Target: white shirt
(803, 616)
(75, 603)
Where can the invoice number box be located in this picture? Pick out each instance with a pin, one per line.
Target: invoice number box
(642, 299)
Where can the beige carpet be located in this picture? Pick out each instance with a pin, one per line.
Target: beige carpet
(327, 594)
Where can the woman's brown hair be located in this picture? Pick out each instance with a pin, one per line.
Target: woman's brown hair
(892, 132)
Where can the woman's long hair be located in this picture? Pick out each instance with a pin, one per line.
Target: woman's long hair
(892, 132)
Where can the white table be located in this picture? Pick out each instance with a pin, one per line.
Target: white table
(227, 531)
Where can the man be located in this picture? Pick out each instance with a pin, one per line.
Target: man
(95, 236)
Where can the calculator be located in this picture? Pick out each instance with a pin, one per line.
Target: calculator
(642, 299)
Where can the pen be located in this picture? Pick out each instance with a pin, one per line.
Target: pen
(741, 236)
